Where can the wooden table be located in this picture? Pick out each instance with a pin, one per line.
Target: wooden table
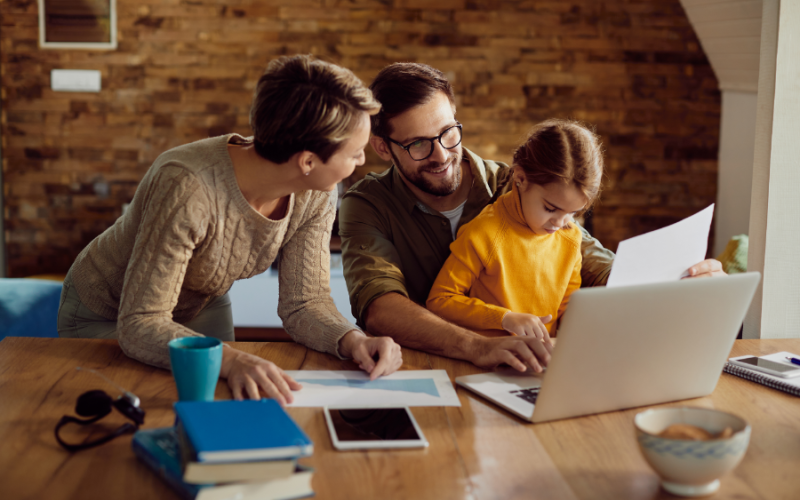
(476, 451)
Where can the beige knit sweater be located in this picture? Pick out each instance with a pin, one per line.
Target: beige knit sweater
(187, 236)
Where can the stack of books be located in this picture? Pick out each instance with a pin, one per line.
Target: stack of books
(229, 449)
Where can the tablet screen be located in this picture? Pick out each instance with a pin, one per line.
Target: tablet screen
(384, 424)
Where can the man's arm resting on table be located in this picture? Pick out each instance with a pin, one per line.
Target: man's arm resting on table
(411, 325)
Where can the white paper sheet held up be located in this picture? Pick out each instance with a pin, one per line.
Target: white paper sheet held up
(665, 254)
(354, 389)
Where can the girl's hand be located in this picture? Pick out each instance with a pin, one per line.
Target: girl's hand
(248, 376)
(528, 325)
(363, 350)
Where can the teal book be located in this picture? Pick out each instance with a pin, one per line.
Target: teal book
(159, 449)
(241, 431)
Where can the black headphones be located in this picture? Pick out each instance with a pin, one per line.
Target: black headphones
(97, 404)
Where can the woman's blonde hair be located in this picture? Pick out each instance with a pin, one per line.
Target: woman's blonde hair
(304, 104)
(563, 151)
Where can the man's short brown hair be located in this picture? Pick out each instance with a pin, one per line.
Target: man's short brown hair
(402, 86)
(304, 104)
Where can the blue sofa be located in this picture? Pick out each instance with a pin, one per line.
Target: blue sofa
(28, 307)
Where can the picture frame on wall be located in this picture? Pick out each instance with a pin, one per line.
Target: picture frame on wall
(78, 24)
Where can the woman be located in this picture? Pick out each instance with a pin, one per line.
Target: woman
(221, 209)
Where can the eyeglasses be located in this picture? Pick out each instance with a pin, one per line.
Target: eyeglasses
(421, 149)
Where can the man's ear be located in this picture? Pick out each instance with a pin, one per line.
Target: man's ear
(381, 147)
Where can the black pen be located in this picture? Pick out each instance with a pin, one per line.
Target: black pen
(794, 361)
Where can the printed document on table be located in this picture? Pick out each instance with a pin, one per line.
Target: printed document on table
(354, 389)
(665, 254)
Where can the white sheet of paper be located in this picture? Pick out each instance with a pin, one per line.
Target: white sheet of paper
(665, 254)
(353, 389)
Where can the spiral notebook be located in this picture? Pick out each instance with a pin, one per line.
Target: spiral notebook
(790, 385)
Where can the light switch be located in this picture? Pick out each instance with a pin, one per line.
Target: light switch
(75, 80)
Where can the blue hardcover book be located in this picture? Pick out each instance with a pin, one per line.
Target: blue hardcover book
(159, 449)
(240, 431)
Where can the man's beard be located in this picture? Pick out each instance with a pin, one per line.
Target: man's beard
(443, 188)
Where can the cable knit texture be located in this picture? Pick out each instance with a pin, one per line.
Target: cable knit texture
(188, 234)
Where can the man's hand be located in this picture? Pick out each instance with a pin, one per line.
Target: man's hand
(363, 349)
(706, 269)
(248, 376)
(527, 325)
(517, 352)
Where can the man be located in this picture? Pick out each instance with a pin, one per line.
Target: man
(397, 226)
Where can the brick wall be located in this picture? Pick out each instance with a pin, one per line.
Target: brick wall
(185, 70)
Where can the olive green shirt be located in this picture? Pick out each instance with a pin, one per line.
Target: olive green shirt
(392, 242)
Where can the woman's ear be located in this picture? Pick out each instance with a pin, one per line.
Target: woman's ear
(380, 147)
(306, 161)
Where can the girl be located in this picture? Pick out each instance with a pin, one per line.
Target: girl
(513, 268)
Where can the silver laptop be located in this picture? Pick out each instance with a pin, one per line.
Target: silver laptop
(629, 346)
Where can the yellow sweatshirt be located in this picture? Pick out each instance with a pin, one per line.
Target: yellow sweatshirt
(498, 264)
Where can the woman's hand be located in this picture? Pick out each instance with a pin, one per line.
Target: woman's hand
(528, 325)
(248, 376)
(363, 349)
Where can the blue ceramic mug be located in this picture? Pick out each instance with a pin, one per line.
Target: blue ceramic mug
(195, 365)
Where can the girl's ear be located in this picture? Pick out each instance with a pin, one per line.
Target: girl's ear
(518, 176)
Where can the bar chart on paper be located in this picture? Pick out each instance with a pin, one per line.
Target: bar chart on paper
(354, 389)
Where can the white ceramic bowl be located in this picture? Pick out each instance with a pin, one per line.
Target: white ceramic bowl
(691, 468)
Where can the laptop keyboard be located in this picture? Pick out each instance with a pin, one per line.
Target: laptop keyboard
(528, 395)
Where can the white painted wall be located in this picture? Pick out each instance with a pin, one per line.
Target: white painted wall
(774, 240)
(735, 177)
(779, 177)
(730, 33)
